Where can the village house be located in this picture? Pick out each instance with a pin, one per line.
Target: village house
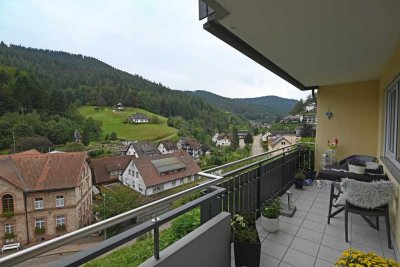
(44, 195)
(215, 137)
(291, 119)
(119, 107)
(191, 146)
(265, 136)
(277, 142)
(151, 175)
(139, 118)
(223, 140)
(309, 118)
(142, 149)
(310, 107)
(242, 133)
(167, 146)
(109, 170)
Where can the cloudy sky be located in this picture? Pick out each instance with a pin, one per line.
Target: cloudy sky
(158, 39)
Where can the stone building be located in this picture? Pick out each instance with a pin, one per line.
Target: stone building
(44, 195)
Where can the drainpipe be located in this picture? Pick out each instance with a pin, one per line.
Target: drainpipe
(26, 218)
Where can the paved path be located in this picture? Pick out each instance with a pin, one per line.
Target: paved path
(256, 147)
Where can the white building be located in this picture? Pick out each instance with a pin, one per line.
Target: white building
(151, 175)
(215, 138)
(265, 136)
(142, 149)
(167, 146)
(139, 118)
(223, 140)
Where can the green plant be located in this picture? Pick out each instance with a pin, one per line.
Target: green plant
(183, 225)
(299, 175)
(40, 230)
(244, 228)
(60, 227)
(8, 236)
(272, 209)
(353, 257)
(8, 214)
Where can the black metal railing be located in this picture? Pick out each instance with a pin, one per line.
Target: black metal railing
(239, 189)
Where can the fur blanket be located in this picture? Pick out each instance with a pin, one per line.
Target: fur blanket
(365, 195)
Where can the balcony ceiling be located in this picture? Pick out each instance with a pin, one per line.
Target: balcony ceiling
(317, 42)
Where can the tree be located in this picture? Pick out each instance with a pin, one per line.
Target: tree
(248, 139)
(34, 142)
(113, 136)
(307, 130)
(106, 137)
(234, 139)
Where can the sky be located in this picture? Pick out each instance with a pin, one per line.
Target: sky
(160, 40)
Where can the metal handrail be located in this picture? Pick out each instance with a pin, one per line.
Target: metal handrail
(72, 236)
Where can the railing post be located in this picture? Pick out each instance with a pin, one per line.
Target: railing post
(156, 237)
(258, 191)
(211, 208)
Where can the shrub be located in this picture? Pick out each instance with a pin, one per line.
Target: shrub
(244, 228)
(8, 236)
(299, 175)
(186, 223)
(60, 227)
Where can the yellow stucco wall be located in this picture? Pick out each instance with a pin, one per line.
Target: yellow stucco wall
(354, 121)
(358, 122)
(391, 72)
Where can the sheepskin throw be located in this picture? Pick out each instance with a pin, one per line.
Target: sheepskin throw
(365, 195)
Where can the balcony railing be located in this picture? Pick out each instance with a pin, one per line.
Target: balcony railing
(241, 186)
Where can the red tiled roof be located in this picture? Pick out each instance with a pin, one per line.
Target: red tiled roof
(103, 167)
(37, 172)
(151, 176)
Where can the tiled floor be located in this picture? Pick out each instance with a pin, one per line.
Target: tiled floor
(307, 240)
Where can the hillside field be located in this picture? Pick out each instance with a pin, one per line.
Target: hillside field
(113, 122)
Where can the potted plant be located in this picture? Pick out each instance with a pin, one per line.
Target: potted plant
(299, 178)
(353, 257)
(9, 237)
(40, 230)
(270, 215)
(357, 166)
(246, 243)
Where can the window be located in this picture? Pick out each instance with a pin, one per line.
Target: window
(137, 174)
(60, 220)
(173, 183)
(159, 187)
(129, 171)
(39, 223)
(38, 203)
(8, 203)
(140, 187)
(133, 184)
(392, 138)
(59, 201)
(9, 228)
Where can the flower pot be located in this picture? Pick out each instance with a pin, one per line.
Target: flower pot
(298, 183)
(247, 253)
(357, 169)
(269, 225)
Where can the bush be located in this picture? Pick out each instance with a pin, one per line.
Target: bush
(113, 136)
(272, 209)
(186, 223)
(8, 214)
(8, 236)
(73, 147)
(60, 227)
(40, 230)
(96, 153)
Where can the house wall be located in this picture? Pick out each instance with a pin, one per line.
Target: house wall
(18, 220)
(355, 109)
(132, 181)
(392, 70)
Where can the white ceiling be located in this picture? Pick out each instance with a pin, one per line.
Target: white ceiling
(319, 42)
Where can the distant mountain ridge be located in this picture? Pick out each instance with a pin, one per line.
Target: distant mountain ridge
(265, 108)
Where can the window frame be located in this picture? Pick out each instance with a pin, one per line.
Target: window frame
(392, 124)
(41, 221)
(7, 227)
(61, 218)
(38, 200)
(58, 198)
(10, 205)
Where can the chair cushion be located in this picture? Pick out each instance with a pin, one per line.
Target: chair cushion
(365, 195)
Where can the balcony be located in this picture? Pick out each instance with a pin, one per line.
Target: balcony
(303, 240)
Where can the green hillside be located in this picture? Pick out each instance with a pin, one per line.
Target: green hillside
(265, 109)
(114, 122)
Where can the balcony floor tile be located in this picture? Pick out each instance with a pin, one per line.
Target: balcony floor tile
(307, 240)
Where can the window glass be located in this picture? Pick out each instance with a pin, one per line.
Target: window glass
(8, 203)
(392, 147)
(39, 223)
(38, 203)
(60, 220)
(9, 228)
(59, 201)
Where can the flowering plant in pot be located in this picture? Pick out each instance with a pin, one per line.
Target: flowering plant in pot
(333, 145)
(357, 166)
(246, 243)
(270, 215)
(354, 257)
(299, 178)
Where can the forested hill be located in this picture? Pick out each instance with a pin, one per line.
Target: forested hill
(266, 108)
(82, 80)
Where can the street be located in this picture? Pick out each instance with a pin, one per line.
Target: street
(256, 147)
